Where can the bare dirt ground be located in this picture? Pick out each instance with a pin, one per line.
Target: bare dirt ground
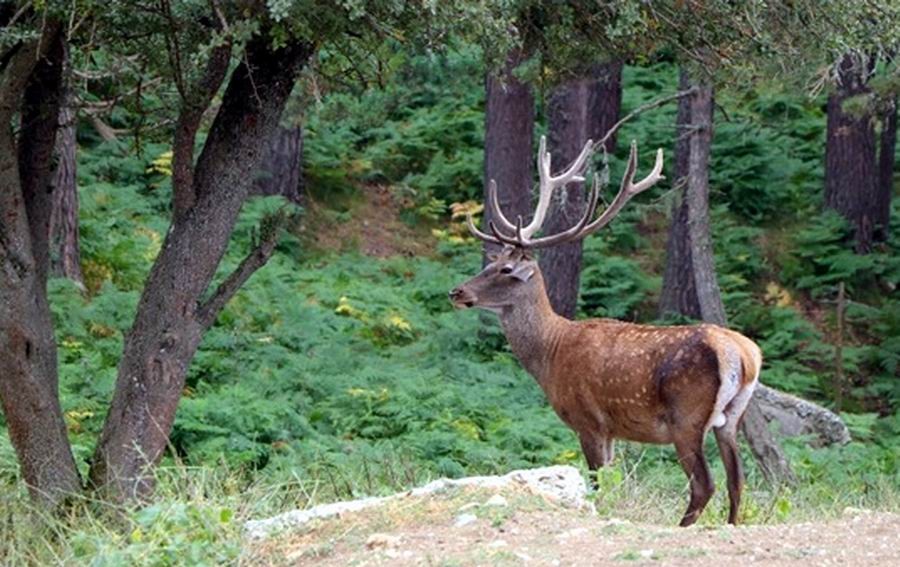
(468, 527)
(373, 227)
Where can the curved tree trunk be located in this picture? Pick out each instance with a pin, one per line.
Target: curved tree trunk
(508, 141)
(280, 172)
(851, 178)
(172, 314)
(65, 251)
(28, 363)
(578, 110)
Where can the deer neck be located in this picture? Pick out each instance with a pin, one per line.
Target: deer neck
(533, 330)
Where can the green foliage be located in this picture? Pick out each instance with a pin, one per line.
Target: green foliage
(422, 133)
(613, 286)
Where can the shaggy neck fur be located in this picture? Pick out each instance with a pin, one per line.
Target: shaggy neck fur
(533, 331)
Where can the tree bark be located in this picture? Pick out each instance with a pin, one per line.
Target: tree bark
(851, 178)
(65, 251)
(679, 294)
(605, 104)
(580, 109)
(172, 315)
(696, 197)
(568, 122)
(690, 286)
(28, 363)
(508, 142)
(280, 173)
(887, 149)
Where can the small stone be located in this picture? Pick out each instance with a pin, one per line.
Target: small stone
(496, 500)
(468, 506)
(382, 541)
(498, 543)
(464, 520)
(646, 553)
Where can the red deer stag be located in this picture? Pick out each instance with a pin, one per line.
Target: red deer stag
(608, 379)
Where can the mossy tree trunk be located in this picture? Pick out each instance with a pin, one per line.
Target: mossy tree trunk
(851, 175)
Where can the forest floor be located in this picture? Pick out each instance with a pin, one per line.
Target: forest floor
(468, 527)
(373, 226)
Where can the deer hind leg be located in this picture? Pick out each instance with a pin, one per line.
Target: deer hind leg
(726, 438)
(690, 455)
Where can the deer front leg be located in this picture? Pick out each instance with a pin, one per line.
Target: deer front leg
(598, 452)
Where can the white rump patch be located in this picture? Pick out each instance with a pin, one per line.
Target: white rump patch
(730, 370)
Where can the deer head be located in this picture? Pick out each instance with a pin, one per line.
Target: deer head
(512, 277)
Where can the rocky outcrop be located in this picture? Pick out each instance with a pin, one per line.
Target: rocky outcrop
(561, 484)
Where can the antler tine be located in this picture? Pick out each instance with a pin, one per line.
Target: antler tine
(548, 183)
(494, 201)
(574, 232)
(628, 189)
(502, 238)
(477, 233)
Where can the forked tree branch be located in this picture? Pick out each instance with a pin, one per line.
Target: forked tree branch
(256, 259)
(193, 107)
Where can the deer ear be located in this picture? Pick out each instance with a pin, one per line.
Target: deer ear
(523, 271)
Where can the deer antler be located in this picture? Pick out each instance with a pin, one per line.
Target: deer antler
(521, 237)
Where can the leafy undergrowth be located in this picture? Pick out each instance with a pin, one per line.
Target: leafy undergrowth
(333, 374)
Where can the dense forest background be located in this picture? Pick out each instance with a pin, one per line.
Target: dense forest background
(340, 369)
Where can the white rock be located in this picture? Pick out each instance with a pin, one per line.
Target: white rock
(560, 483)
(464, 520)
(496, 500)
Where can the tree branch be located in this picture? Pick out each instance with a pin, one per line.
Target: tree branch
(642, 108)
(193, 107)
(256, 259)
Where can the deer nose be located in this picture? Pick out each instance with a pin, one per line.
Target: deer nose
(455, 293)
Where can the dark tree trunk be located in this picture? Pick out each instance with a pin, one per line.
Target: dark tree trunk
(65, 252)
(605, 104)
(172, 314)
(689, 285)
(578, 110)
(508, 141)
(886, 151)
(568, 122)
(280, 173)
(28, 364)
(679, 294)
(696, 197)
(851, 178)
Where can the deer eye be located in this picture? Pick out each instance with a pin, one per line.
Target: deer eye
(506, 270)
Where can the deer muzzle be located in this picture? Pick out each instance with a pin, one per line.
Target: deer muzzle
(461, 298)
